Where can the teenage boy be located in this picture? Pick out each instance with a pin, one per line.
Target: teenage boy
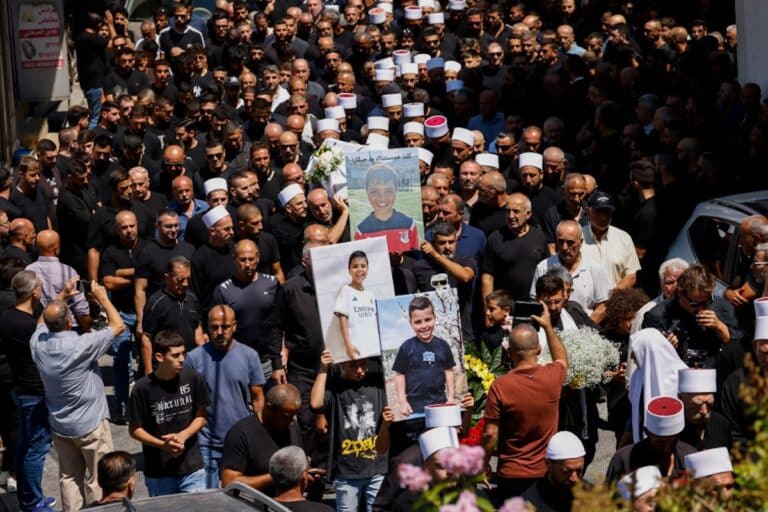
(498, 306)
(424, 363)
(167, 410)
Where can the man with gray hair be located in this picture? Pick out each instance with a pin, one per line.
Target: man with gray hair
(74, 392)
(289, 469)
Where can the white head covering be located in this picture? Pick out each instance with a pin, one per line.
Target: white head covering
(456, 5)
(413, 12)
(665, 416)
(391, 100)
(288, 193)
(697, 380)
(487, 160)
(413, 110)
(378, 123)
(427, 4)
(336, 112)
(565, 445)
(377, 141)
(442, 415)
(656, 374)
(385, 75)
(531, 159)
(435, 126)
(708, 462)
(409, 68)
(385, 63)
(413, 128)
(639, 482)
(463, 135)
(436, 18)
(452, 65)
(377, 16)
(436, 439)
(421, 58)
(761, 319)
(401, 56)
(214, 184)
(214, 215)
(425, 155)
(327, 124)
(385, 6)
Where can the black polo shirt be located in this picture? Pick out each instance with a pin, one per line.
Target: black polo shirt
(488, 218)
(34, 207)
(512, 260)
(166, 312)
(300, 322)
(211, 266)
(116, 257)
(152, 259)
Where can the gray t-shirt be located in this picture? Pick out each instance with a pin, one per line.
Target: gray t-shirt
(69, 368)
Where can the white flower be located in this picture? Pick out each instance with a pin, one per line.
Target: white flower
(589, 356)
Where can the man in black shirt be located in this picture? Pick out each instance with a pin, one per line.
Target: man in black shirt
(488, 213)
(212, 262)
(250, 226)
(288, 225)
(124, 79)
(28, 196)
(91, 64)
(16, 327)
(21, 240)
(173, 308)
(181, 36)
(291, 473)
(252, 440)
(705, 428)
(168, 409)
(116, 272)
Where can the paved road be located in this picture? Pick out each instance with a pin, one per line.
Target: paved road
(123, 441)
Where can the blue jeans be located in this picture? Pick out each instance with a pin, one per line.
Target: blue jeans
(122, 366)
(348, 492)
(192, 482)
(93, 97)
(212, 465)
(33, 444)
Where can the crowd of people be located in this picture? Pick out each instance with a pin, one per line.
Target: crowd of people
(562, 145)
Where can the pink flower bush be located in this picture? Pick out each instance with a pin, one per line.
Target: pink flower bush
(462, 461)
(513, 505)
(413, 477)
(467, 503)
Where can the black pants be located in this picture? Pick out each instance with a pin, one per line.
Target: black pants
(510, 488)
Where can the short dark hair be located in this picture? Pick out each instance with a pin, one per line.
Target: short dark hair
(165, 340)
(177, 260)
(501, 297)
(355, 255)
(549, 284)
(116, 177)
(380, 174)
(114, 471)
(442, 228)
(419, 304)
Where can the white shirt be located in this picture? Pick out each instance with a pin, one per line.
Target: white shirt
(615, 252)
(359, 306)
(590, 283)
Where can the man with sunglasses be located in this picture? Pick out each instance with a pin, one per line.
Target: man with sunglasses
(699, 324)
(181, 36)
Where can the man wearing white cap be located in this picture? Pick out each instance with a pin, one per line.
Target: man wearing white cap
(393, 107)
(216, 194)
(531, 168)
(565, 468)
(462, 145)
(712, 468)
(288, 225)
(640, 487)
(664, 421)
(413, 135)
(704, 427)
(438, 137)
(212, 262)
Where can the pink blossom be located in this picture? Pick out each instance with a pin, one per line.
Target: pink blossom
(413, 477)
(513, 505)
(467, 503)
(463, 460)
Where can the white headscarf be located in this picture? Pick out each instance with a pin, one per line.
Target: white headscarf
(656, 374)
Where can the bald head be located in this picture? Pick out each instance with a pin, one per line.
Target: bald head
(295, 123)
(591, 183)
(284, 397)
(273, 131)
(22, 230)
(56, 317)
(569, 228)
(523, 342)
(173, 154)
(288, 138)
(244, 246)
(316, 233)
(48, 243)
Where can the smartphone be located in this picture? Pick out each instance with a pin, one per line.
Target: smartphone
(84, 286)
(524, 309)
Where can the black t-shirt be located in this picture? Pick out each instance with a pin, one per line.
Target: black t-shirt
(131, 83)
(34, 207)
(487, 218)
(164, 407)
(74, 212)
(210, 267)
(91, 59)
(424, 365)
(152, 260)
(289, 235)
(16, 328)
(249, 445)
(15, 252)
(269, 252)
(165, 312)
(102, 231)
(114, 258)
(355, 408)
(512, 260)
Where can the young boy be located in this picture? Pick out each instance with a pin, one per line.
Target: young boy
(167, 410)
(424, 363)
(498, 306)
(400, 229)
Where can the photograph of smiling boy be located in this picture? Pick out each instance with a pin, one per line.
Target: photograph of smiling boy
(422, 352)
(385, 197)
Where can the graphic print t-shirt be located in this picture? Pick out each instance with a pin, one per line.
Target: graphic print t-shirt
(424, 365)
(359, 306)
(166, 406)
(399, 229)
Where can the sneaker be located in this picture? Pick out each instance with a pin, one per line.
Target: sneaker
(46, 504)
(10, 484)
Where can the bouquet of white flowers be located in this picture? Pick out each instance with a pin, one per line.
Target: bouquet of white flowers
(325, 161)
(590, 356)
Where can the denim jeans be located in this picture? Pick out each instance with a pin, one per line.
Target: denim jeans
(122, 366)
(32, 447)
(349, 491)
(212, 465)
(93, 97)
(192, 482)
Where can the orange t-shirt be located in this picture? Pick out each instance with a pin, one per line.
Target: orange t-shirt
(525, 404)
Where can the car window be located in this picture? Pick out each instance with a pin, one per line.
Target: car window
(713, 241)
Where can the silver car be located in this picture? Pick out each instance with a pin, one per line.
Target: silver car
(711, 237)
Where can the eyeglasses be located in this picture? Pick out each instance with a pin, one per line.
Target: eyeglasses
(215, 155)
(495, 54)
(173, 164)
(700, 304)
